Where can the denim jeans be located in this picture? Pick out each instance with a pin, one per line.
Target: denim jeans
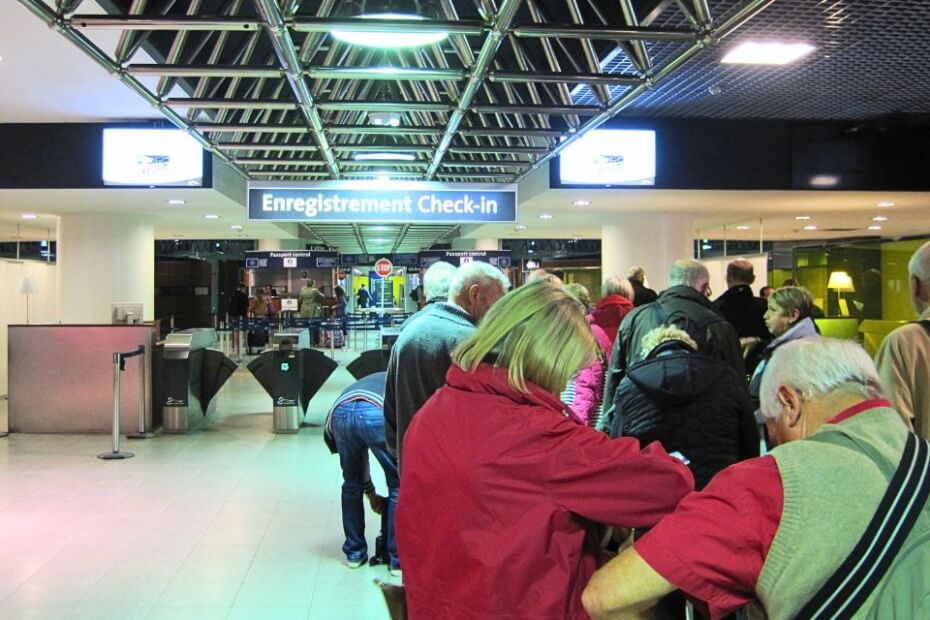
(358, 427)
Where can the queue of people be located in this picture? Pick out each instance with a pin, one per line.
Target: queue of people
(756, 470)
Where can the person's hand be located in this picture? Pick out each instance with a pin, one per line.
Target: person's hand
(376, 502)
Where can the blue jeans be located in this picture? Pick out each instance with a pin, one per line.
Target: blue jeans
(358, 427)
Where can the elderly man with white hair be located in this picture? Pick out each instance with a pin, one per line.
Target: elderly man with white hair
(791, 533)
(904, 357)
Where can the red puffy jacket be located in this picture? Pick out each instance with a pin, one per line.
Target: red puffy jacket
(609, 313)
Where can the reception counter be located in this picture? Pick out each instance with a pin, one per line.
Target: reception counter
(61, 377)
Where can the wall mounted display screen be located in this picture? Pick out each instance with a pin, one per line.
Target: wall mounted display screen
(159, 157)
(608, 157)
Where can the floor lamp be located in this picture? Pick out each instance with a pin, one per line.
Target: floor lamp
(27, 287)
(841, 283)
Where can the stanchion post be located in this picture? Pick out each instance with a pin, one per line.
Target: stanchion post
(115, 454)
(142, 434)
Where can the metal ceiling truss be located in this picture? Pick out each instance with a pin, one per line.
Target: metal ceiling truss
(267, 88)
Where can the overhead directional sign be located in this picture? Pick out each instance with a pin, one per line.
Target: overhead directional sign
(427, 203)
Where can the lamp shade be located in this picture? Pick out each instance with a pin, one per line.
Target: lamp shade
(27, 287)
(841, 282)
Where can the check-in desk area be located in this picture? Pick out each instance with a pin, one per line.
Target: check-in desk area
(61, 377)
(189, 373)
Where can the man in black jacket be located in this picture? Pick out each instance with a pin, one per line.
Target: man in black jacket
(642, 295)
(683, 304)
(744, 311)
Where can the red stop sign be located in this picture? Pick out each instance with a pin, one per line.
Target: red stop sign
(384, 267)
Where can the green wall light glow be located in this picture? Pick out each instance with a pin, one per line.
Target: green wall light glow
(390, 40)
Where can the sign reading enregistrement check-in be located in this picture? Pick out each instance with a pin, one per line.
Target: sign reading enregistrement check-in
(377, 201)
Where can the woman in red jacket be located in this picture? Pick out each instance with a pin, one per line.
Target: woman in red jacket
(501, 484)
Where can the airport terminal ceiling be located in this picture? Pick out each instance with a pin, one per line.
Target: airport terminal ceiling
(277, 91)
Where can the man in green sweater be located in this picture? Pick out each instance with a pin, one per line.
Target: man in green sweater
(770, 532)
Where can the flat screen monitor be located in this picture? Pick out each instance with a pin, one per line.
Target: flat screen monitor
(152, 157)
(609, 157)
(126, 313)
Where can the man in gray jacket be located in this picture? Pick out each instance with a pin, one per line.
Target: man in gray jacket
(423, 352)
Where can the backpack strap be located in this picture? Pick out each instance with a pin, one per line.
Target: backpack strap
(863, 569)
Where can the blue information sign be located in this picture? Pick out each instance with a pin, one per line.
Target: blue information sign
(397, 202)
(498, 258)
(290, 259)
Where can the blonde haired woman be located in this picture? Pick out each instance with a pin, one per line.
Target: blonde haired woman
(501, 483)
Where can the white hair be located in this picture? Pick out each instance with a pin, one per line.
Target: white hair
(688, 272)
(615, 285)
(475, 272)
(436, 280)
(919, 265)
(815, 367)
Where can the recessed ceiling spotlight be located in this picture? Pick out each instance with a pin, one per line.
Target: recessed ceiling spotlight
(885, 204)
(545, 216)
(767, 53)
(519, 227)
(30, 216)
(384, 156)
(236, 227)
(175, 201)
(802, 218)
(879, 218)
(824, 180)
(384, 119)
(810, 227)
(211, 216)
(875, 227)
(413, 37)
(582, 203)
(742, 228)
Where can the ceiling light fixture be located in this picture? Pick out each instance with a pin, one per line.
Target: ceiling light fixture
(885, 204)
(30, 216)
(742, 228)
(519, 227)
(767, 53)
(824, 180)
(545, 216)
(390, 40)
(582, 203)
(879, 218)
(211, 216)
(175, 201)
(236, 227)
(802, 218)
(384, 119)
(810, 227)
(385, 156)
(875, 227)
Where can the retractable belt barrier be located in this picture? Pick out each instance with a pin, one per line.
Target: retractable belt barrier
(119, 365)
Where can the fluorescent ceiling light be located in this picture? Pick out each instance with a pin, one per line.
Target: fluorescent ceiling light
(236, 227)
(545, 216)
(879, 218)
(390, 40)
(211, 216)
(385, 156)
(802, 218)
(742, 228)
(30, 216)
(384, 119)
(767, 53)
(824, 180)
(875, 227)
(885, 204)
(582, 203)
(810, 227)
(175, 201)
(519, 227)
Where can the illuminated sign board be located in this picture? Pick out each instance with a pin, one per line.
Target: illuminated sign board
(609, 157)
(394, 202)
(151, 157)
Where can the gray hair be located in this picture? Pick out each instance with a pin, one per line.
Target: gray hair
(791, 298)
(688, 272)
(919, 265)
(475, 272)
(615, 285)
(816, 367)
(436, 280)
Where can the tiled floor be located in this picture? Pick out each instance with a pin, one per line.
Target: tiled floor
(229, 522)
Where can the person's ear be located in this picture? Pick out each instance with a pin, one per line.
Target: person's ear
(790, 400)
(473, 292)
(795, 315)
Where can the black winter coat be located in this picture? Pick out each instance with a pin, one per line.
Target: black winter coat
(690, 403)
(641, 294)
